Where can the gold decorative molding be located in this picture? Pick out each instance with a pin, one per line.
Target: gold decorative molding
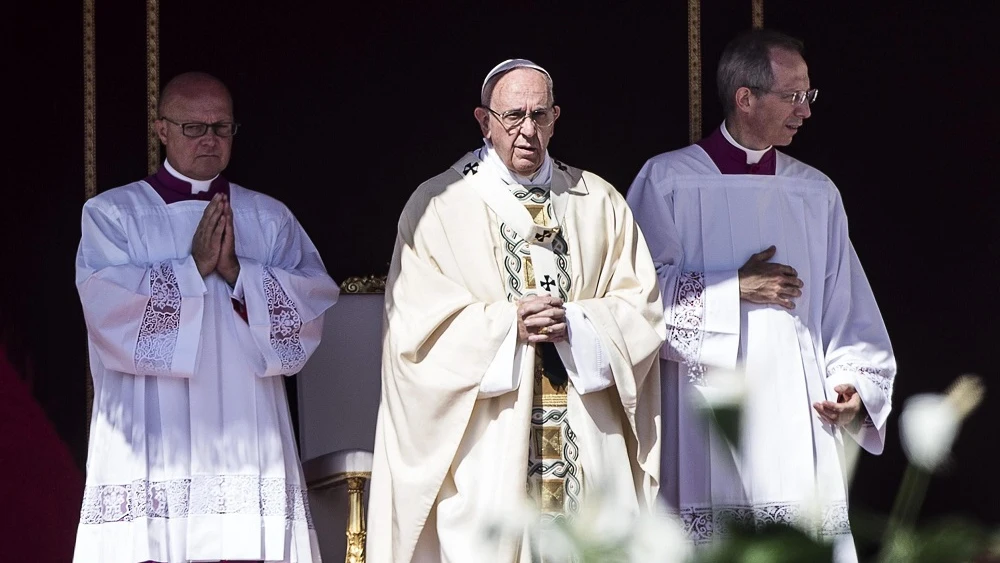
(356, 532)
(89, 141)
(89, 102)
(152, 84)
(338, 479)
(364, 284)
(757, 12)
(694, 70)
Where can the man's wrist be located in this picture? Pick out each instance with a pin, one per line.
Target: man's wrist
(231, 275)
(203, 271)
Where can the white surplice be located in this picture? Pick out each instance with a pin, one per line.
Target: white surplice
(192, 455)
(701, 226)
(451, 457)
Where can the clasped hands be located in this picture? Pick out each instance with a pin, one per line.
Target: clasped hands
(214, 244)
(541, 318)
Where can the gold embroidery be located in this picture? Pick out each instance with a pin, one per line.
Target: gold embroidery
(538, 214)
(554, 473)
(553, 497)
(546, 395)
(549, 441)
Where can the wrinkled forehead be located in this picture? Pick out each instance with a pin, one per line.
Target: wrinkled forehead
(789, 69)
(522, 85)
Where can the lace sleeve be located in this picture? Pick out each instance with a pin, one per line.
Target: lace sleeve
(286, 324)
(685, 321)
(143, 318)
(154, 350)
(285, 296)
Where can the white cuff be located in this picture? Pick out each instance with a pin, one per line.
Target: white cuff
(582, 353)
(842, 377)
(192, 288)
(721, 344)
(870, 435)
(236, 291)
(504, 373)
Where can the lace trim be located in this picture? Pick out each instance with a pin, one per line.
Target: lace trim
(286, 324)
(685, 334)
(873, 374)
(154, 350)
(197, 496)
(702, 525)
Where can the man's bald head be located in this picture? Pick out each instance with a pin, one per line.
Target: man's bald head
(193, 99)
(192, 85)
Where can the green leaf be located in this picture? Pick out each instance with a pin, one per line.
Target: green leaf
(727, 421)
(954, 540)
(771, 544)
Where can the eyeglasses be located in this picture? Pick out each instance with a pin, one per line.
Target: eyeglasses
(514, 118)
(196, 129)
(797, 97)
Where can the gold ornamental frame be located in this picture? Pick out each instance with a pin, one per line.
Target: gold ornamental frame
(358, 284)
(694, 70)
(152, 84)
(90, 117)
(89, 146)
(371, 283)
(695, 81)
(353, 285)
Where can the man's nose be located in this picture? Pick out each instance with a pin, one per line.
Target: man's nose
(803, 110)
(528, 127)
(210, 138)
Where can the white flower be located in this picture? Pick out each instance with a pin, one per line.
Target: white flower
(507, 523)
(607, 528)
(719, 398)
(721, 389)
(927, 427)
(659, 537)
(929, 422)
(551, 541)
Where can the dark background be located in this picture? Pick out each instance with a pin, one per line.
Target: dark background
(345, 111)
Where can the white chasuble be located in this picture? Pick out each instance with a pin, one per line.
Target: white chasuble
(452, 461)
(192, 455)
(702, 226)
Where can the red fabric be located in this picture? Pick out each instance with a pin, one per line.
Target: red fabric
(40, 486)
(240, 309)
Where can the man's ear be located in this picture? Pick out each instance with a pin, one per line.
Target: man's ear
(161, 130)
(483, 118)
(744, 99)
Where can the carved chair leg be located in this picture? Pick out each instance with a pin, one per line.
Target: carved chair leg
(356, 520)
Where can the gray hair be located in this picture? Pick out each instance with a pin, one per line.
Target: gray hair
(487, 93)
(746, 61)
